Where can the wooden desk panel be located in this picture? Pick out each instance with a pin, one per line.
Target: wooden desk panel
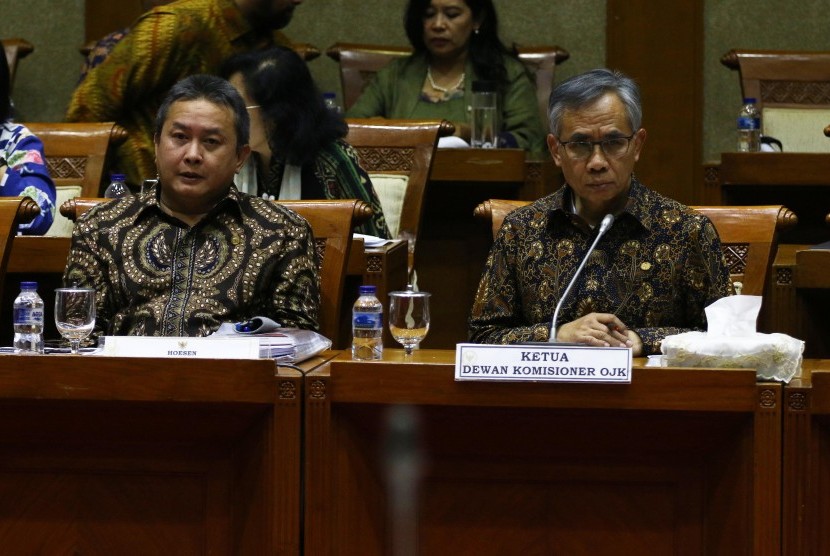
(148, 456)
(806, 461)
(799, 298)
(680, 461)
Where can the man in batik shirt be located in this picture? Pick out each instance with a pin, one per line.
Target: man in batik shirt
(195, 252)
(165, 45)
(651, 275)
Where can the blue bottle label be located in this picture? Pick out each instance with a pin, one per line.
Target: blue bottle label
(745, 122)
(367, 320)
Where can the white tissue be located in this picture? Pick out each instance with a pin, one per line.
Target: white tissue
(732, 342)
(735, 315)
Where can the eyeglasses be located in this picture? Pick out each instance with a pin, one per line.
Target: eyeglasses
(613, 147)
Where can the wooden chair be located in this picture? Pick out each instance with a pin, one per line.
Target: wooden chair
(792, 90)
(398, 156)
(13, 212)
(332, 223)
(360, 62)
(15, 49)
(749, 240)
(76, 155)
(748, 234)
(76, 152)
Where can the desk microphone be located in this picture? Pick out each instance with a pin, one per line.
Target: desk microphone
(603, 227)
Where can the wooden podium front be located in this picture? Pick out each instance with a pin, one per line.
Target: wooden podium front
(103, 455)
(806, 451)
(681, 461)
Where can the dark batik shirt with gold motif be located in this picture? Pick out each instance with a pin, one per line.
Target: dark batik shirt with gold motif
(657, 268)
(156, 276)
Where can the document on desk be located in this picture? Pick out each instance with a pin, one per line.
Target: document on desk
(542, 363)
(372, 241)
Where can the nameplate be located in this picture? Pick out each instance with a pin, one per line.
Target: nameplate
(542, 363)
(170, 346)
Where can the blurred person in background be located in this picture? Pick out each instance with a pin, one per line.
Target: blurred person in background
(164, 45)
(455, 43)
(298, 145)
(23, 170)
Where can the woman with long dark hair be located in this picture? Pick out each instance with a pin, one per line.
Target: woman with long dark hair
(455, 43)
(297, 144)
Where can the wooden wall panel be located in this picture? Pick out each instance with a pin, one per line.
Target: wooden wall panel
(660, 45)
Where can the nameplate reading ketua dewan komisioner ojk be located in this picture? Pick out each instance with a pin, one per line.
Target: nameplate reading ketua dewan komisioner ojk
(542, 363)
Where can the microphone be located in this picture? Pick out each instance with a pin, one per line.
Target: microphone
(603, 227)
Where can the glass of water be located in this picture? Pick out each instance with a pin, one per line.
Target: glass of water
(409, 317)
(75, 314)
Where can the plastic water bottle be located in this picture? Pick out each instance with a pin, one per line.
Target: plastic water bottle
(117, 187)
(330, 100)
(749, 127)
(28, 320)
(367, 326)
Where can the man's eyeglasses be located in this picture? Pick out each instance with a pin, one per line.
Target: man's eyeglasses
(613, 147)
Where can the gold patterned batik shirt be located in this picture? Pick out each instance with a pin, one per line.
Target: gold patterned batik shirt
(156, 276)
(657, 268)
(163, 46)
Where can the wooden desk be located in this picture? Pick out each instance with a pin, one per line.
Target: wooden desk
(799, 181)
(453, 246)
(533, 175)
(806, 461)
(149, 456)
(680, 461)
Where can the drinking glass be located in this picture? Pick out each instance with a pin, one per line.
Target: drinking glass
(409, 317)
(75, 314)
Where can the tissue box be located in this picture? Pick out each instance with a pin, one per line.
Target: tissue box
(774, 356)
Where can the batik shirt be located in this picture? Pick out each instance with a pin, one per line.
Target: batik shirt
(27, 174)
(165, 45)
(657, 268)
(156, 276)
(335, 173)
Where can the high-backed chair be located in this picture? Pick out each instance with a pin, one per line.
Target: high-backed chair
(331, 223)
(749, 240)
(360, 62)
(748, 234)
(15, 49)
(13, 212)
(792, 90)
(76, 157)
(397, 155)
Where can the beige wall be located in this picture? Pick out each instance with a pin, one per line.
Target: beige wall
(46, 78)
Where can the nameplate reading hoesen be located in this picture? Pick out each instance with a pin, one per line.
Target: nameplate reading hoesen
(542, 363)
(186, 347)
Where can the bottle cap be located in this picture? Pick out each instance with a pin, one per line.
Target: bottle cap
(749, 100)
(28, 285)
(329, 94)
(366, 290)
(118, 177)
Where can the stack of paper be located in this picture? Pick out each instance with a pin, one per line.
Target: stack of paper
(286, 345)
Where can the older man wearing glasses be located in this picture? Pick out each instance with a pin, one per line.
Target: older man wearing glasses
(652, 273)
